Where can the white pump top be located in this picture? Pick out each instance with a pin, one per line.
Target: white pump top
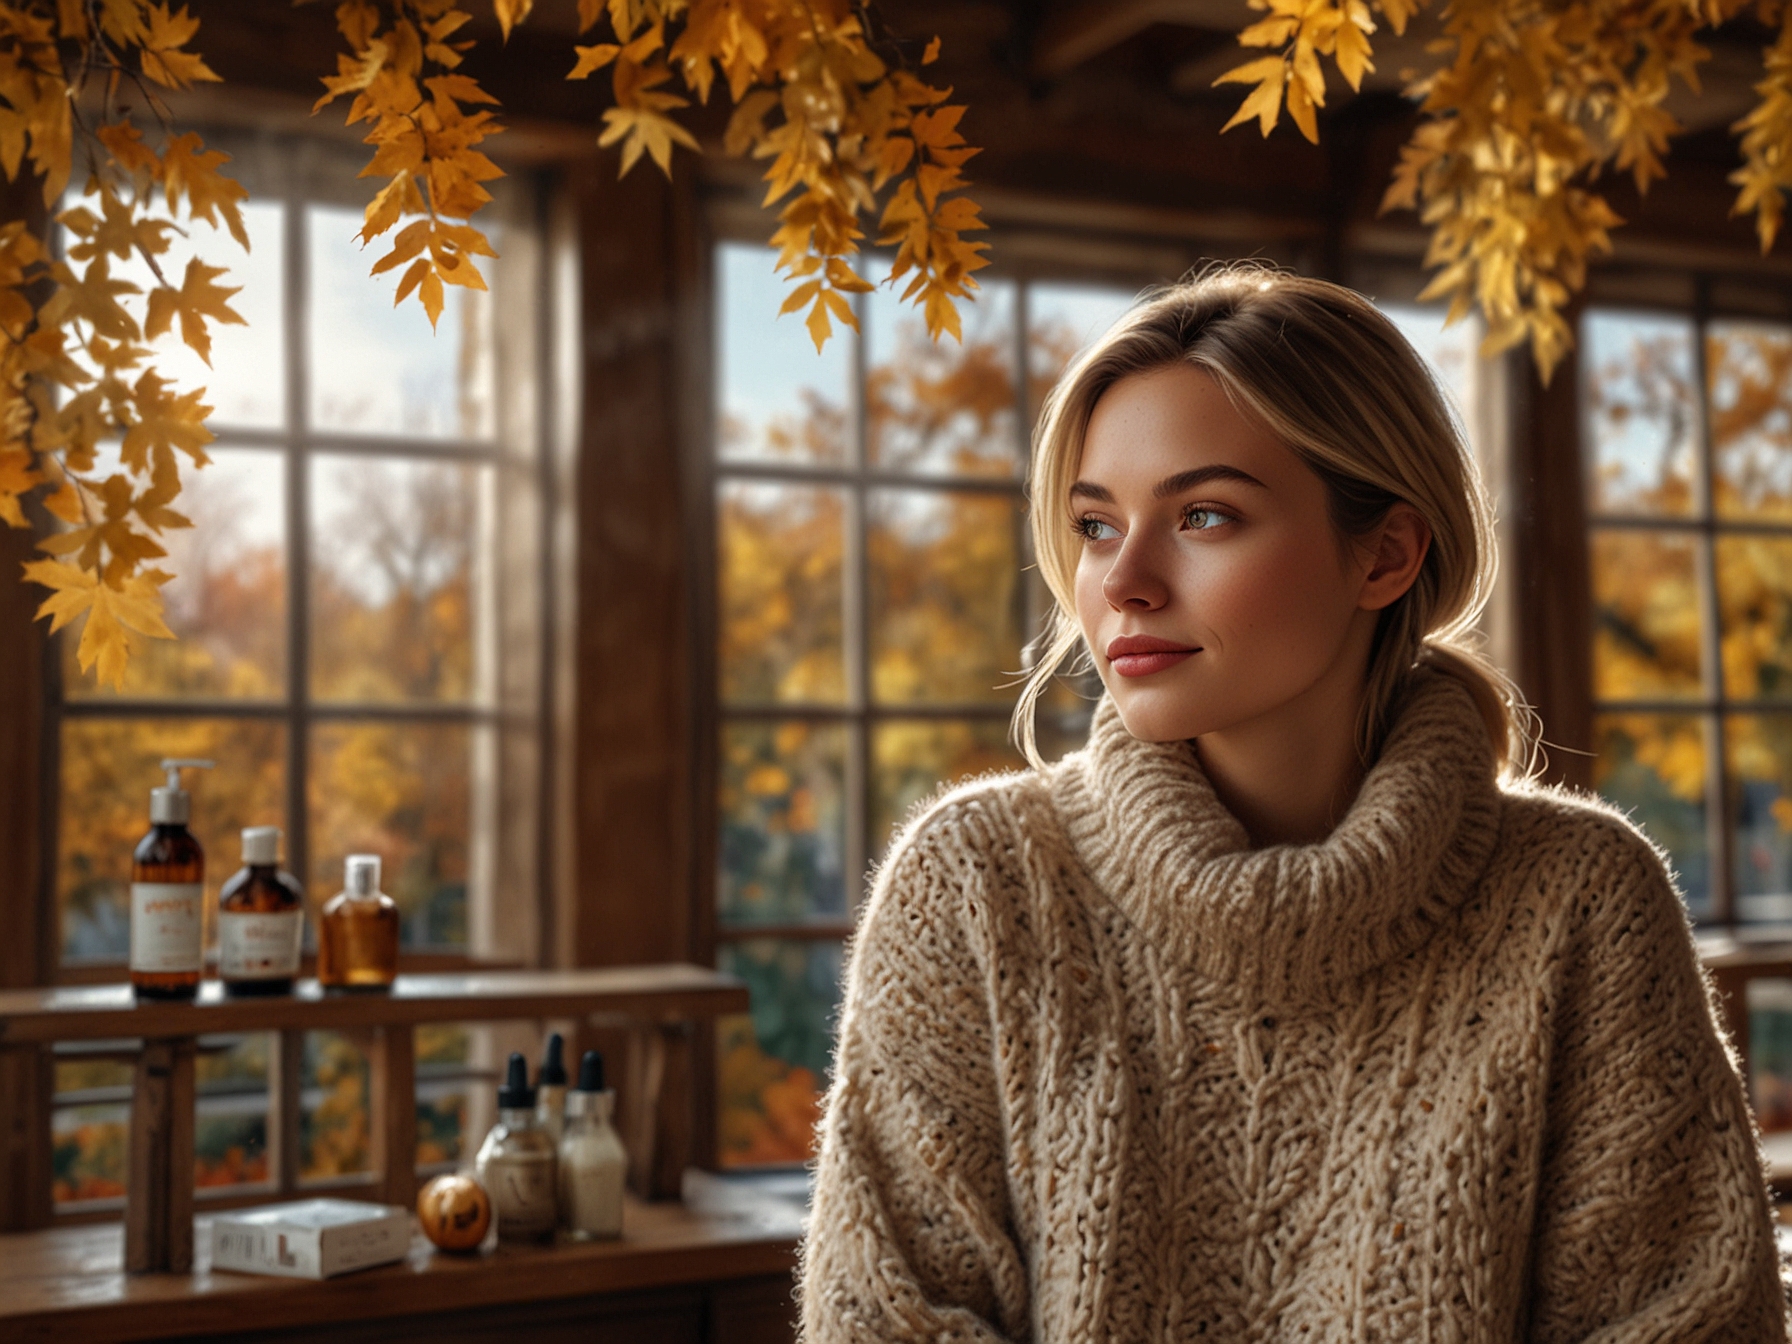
(171, 804)
(361, 879)
(261, 845)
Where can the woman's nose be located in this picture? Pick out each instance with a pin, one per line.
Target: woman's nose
(1134, 581)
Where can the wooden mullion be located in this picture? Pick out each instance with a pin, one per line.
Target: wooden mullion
(286, 1061)
(392, 1088)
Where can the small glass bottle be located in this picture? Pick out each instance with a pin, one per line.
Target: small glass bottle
(168, 895)
(550, 1087)
(261, 913)
(357, 935)
(592, 1161)
(516, 1162)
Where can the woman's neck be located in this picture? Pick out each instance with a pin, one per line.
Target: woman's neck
(1290, 775)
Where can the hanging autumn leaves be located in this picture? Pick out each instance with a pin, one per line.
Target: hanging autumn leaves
(1528, 102)
(75, 368)
(839, 122)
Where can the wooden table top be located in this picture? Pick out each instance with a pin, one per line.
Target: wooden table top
(104, 1012)
(69, 1283)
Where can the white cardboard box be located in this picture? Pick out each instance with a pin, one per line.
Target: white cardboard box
(312, 1239)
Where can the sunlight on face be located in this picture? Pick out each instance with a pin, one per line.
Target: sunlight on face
(1212, 589)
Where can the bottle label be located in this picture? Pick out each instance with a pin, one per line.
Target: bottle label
(167, 927)
(255, 946)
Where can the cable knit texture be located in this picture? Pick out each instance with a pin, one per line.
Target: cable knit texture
(1107, 1073)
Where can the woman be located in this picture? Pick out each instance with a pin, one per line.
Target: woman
(1287, 1008)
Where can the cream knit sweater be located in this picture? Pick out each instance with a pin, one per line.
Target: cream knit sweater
(1105, 1073)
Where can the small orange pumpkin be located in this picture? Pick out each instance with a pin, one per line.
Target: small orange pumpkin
(455, 1212)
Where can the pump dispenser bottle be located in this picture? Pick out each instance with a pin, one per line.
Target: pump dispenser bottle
(516, 1162)
(550, 1087)
(357, 937)
(592, 1161)
(168, 895)
(260, 920)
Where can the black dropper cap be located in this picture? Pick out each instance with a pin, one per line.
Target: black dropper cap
(591, 1072)
(553, 1063)
(516, 1094)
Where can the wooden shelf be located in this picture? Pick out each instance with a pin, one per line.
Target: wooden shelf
(105, 1012)
(69, 1283)
(658, 1009)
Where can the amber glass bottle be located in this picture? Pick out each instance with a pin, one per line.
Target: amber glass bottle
(168, 896)
(261, 911)
(357, 936)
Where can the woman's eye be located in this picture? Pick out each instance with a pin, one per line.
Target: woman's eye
(1204, 520)
(1093, 529)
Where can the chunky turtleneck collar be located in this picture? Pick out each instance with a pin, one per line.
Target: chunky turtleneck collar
(1289, 923)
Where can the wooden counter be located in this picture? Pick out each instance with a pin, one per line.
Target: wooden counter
(676, 1278)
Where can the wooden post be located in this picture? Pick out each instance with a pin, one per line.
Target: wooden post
(643, 1069)
(672, 1113)
(27, 1079)
(158, 1214)
(392, 1079)
(285, 1117)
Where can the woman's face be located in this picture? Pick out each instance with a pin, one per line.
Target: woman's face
(1212, 588)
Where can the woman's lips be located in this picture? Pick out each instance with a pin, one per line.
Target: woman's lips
(1143, 655)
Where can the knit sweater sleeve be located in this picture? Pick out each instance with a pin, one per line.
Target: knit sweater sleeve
(909, 1237)
(1652, 1216)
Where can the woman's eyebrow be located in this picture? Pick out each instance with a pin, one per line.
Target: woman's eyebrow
(1171, 485)
(1188, 480)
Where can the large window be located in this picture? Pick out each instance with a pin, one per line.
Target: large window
(873, 606)
(1688, 447)
(343, 653)
(874, 601)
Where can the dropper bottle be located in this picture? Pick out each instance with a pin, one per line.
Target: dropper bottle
(516, 1162)
(592, 1161)
(168, 894)
(550, 1087)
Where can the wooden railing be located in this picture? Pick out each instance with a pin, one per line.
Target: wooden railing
(659, 1007)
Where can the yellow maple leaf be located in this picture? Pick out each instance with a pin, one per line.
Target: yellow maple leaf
(191, 170)
(196, 300)
(113, 613)
(1270, 75)
(162, 58)
(510, 13)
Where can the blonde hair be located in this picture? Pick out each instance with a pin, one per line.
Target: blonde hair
(1336, 382)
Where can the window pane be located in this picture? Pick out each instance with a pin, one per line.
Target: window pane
(1759, 747)
(245, 384)
(781, 593)
(402, 791)
(945, 595)
(333, 1107)
(1645, 615)
(1748, 366)
(108, 768)
(88, 1144)
(774, 1065)
(230, 1136)
(227, 602)
(444, 1053)
(1452, 351)
(395, 573)
(1770, 1051)
(1653, 766)
(377, 368)
(783, 822)
(942, 406)
(1755, 593)
(1637, 373)
(781, 401)
(1061, 321)
(912, 757)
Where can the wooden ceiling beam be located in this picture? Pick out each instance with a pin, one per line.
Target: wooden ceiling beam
(1080, 32)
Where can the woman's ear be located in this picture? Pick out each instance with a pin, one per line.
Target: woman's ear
(1396, 550)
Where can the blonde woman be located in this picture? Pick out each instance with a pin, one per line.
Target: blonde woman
(1286, 1009)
